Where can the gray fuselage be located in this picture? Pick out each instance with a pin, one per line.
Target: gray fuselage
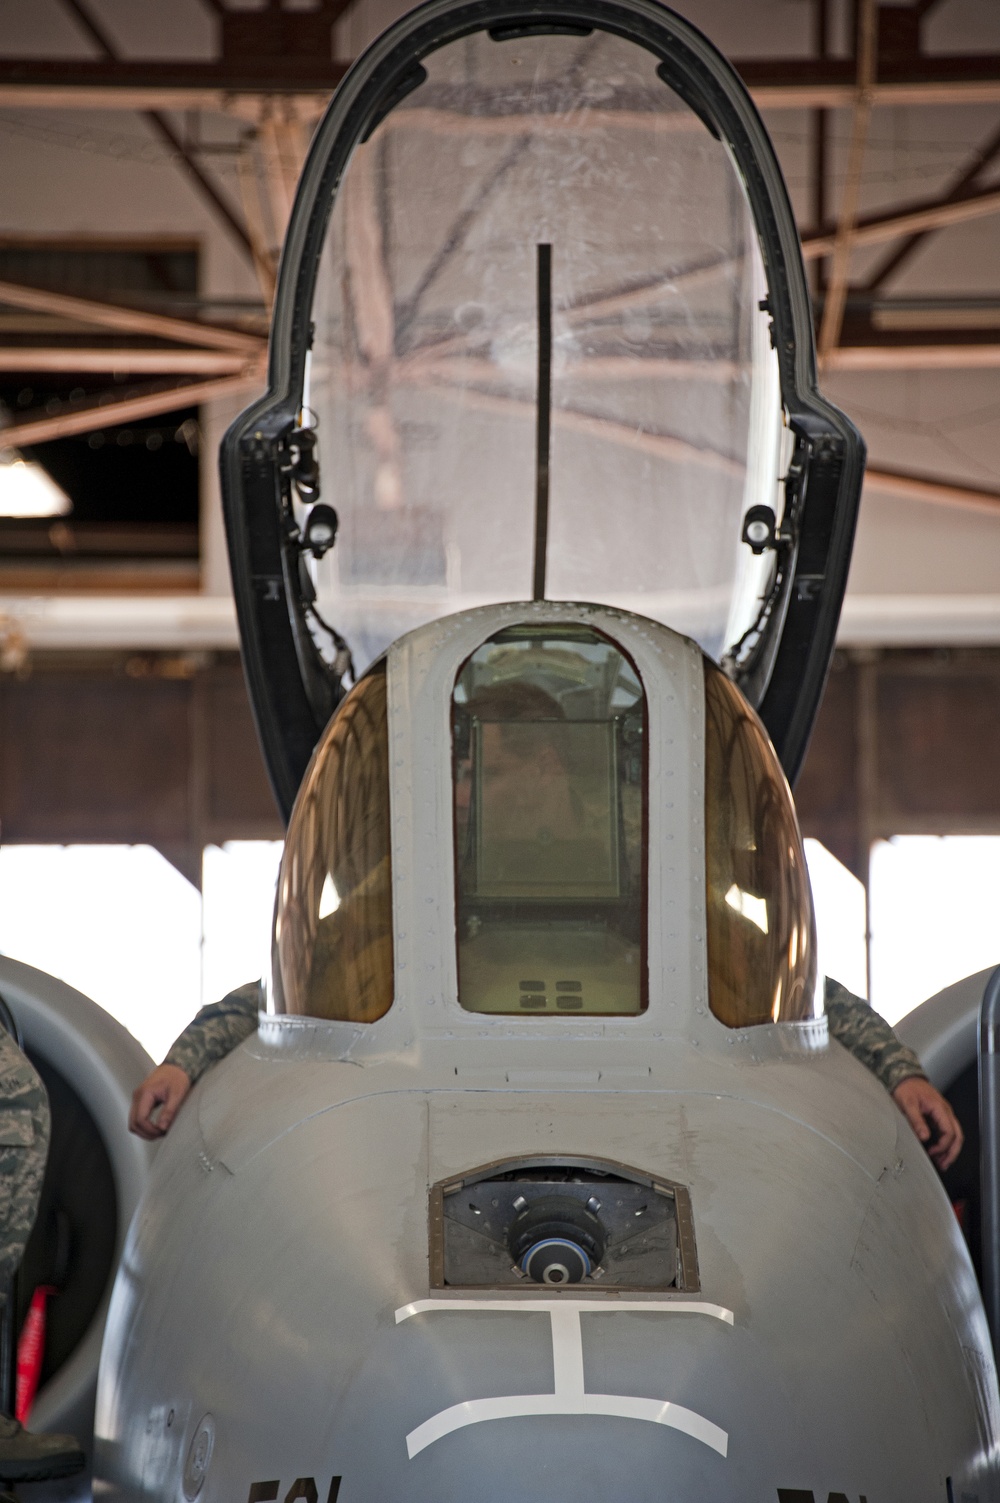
(275, 1325)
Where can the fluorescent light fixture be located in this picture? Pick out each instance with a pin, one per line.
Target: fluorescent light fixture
(27, 490)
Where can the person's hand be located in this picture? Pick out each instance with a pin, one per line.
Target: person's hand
(164, 1089)
(927, 1111)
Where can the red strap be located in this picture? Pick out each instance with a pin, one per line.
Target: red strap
(31, 1351)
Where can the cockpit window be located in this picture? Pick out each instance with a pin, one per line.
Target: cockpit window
(761, 932)
(549, 768)
(333, 917)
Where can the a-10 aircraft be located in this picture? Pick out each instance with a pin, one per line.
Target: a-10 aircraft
(541, 1179)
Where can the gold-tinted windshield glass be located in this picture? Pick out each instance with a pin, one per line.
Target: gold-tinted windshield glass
(333, 918)
(761, 933)
(549, 759)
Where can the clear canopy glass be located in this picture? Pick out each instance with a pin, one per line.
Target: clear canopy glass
(548, 726)
(422, 383)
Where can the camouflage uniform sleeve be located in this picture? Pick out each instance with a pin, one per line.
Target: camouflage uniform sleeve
(868, 1037)
(24, 1146)
(216, 1031)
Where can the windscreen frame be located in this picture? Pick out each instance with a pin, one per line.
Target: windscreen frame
(292, 689)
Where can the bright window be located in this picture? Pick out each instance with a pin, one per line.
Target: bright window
(935, 902)
(238, 881)
(839, 905)
(123, 926)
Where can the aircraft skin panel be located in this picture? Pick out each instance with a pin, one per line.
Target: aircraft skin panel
(287, 1314)
(850, 1295)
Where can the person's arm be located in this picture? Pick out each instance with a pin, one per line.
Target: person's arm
(209, 1037)
(870, 1039)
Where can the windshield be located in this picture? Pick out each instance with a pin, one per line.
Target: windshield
(761, 931)
(333, 915)
(548, 726)
(423, 381)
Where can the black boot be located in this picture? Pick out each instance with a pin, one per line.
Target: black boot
(36, 1458)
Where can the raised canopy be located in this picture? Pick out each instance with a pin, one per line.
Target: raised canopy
(542, 330)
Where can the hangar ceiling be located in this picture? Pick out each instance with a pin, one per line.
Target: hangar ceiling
(887, 121)
(271, 77)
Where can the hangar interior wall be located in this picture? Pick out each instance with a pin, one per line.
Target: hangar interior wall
(160, 749)
(907, 742)
(155, 749)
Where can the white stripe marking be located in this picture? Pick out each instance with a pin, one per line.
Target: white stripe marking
(569, 1395)
(587, 1306)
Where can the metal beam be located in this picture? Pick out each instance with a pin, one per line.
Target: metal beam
(914, 357)
(120, 360)
(786, 84)
(128, 320)
(98, 83)
(836, 291)
(249, 104)
(269, 163)
(959, 187)
(127, 409)
(282, 143)
(800, 96)
(199, 177)
(927, 214)
(162, 128)
(954, 320)
(819, 138)
(938, 492)
(265, 260)
(831, 82)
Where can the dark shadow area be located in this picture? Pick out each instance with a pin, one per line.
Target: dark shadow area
(961, 1181)
(73, 1242)
(145, 472)
(133, 485)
